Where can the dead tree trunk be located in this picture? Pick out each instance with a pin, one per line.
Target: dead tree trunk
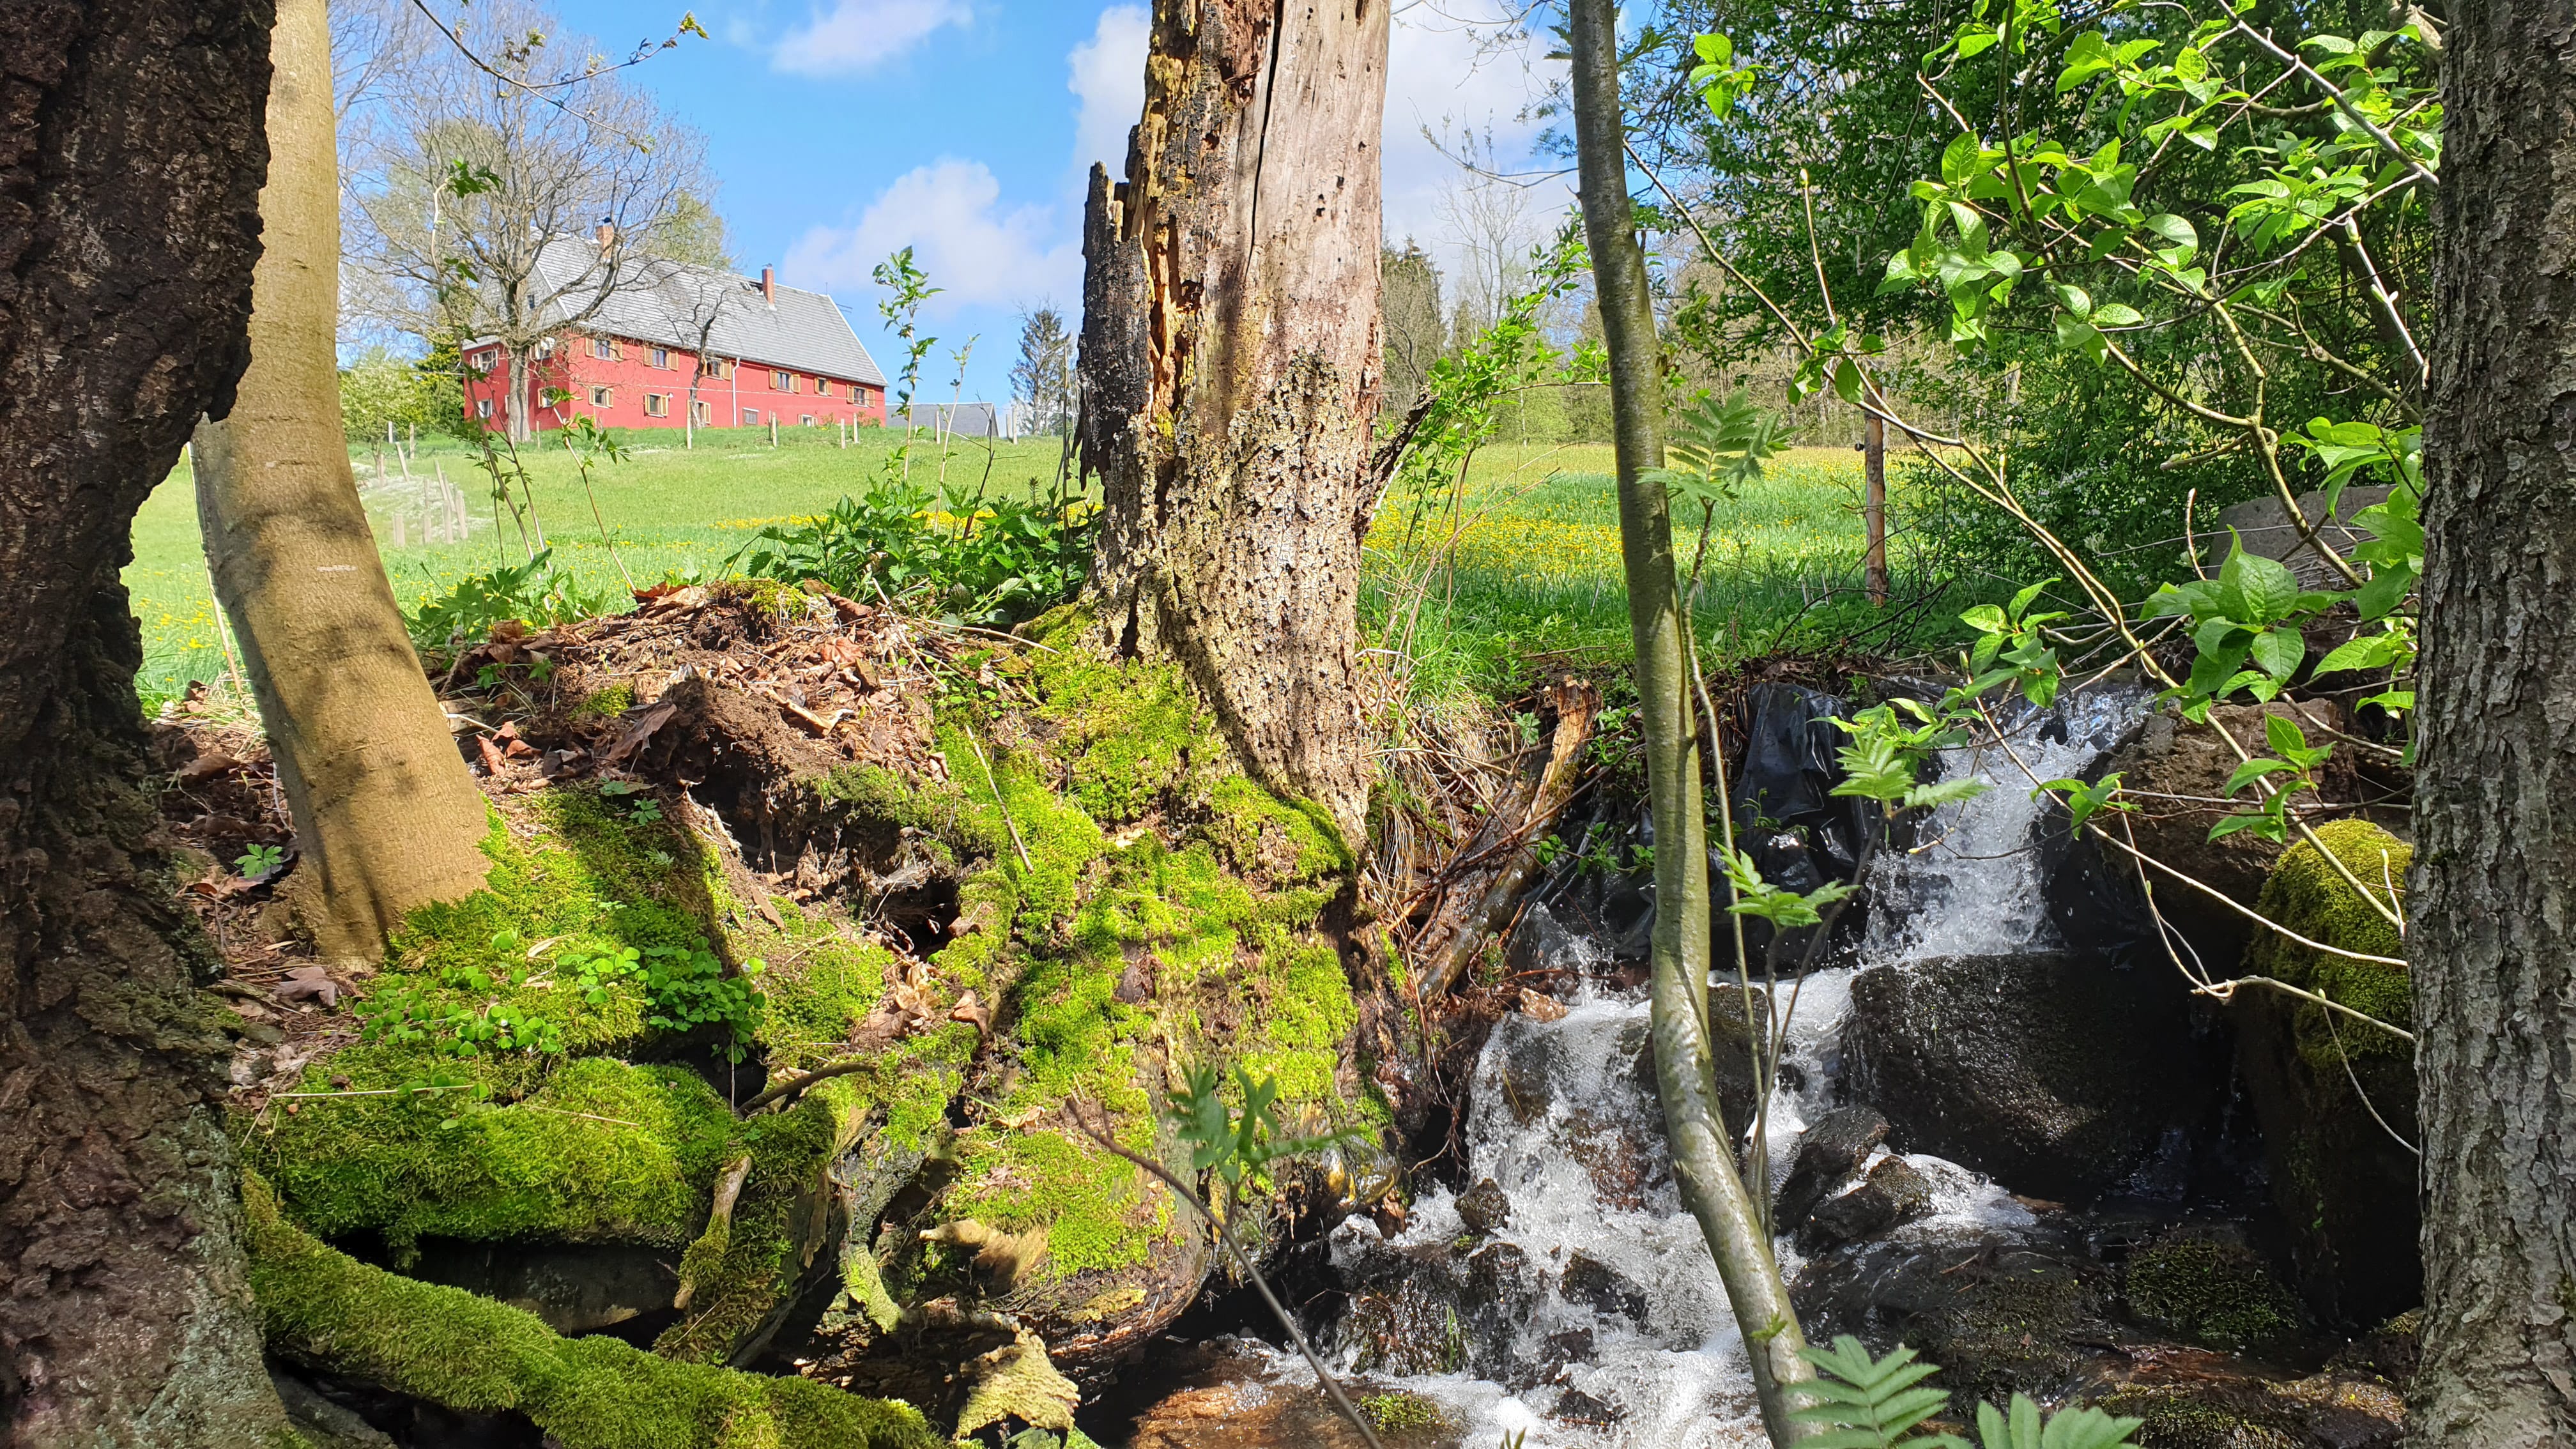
(386, 817)
(130, 165)
(1230, 361)
(2492, 917)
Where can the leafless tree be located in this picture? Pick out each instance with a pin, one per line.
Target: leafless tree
(473, 154)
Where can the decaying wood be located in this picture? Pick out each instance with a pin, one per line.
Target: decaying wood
(719, 1222)
(1501, 864)
(1230, 364)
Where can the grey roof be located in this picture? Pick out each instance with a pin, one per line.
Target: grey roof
(664, 303)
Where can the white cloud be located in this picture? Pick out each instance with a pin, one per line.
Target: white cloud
(1441, 75)
(951, 214)
(1109, 83)
(859, 35)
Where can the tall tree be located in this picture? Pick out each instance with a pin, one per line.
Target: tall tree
(1694, 1125)
(2493, 910)
(1043, 377)
(386, 816)
(1415, 332)
(1230, 359)
(130, 167)
(461, 179)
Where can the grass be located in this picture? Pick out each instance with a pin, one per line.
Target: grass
(1535, 572)
(670, 511)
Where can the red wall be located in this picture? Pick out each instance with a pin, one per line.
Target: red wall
(631, 376)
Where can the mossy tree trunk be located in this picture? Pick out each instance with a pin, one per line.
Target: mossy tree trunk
(130, 165)
(386, 816)
(1685, 1065)
(2492, 941)
(1230, 364)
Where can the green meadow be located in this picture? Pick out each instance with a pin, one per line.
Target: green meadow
(1472, 582)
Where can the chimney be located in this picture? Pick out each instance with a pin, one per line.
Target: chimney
(607, 235)
(769, 285)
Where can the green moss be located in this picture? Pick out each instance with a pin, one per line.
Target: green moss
(1100, 1213)
(607, 703)
(600, 1151)
(320, 1307)
(1017, 1382)
(2176, 1420)
(2308, 895)
(1397, 1412)
(742, 1270)
(2210, 1290)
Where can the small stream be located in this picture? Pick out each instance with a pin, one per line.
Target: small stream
(1573, 1300)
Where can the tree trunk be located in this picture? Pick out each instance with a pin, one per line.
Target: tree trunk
(130, 165)
(1230, 354)
(1685, 1065)
(386, 816)
(2493, 909)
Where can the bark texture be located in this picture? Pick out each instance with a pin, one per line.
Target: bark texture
(2493, 908)
(386, 816)
(1685, 1062)
(131, 155)
(1231, 361)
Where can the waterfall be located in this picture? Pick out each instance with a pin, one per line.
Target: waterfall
(1593, 1318)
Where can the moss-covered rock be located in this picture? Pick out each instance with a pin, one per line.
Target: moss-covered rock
(2210, 1289)
(2331, 1094)
(321, 1308)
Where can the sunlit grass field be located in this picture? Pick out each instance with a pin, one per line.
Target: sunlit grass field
(1474, 583)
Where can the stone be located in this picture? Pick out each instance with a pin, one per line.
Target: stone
(1574, 1406)
(2057, 1075)
(1829, 1152)
(1484, 1209)
(2264, 527)
(1588, 1280)
(2000, 1317)
(1893, 1193)
(2208, 1286)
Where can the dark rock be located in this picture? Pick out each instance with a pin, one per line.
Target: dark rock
(1999, 1317)
(576, 1290)
(1605, 1289)
(2093, 896)
(2057, 1075)
(1829, 1151)
(1484, 1209)
(1577, 1407)
(2392, 1351)
(1893, 1193)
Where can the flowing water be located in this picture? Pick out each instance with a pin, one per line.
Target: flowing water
(1593, 1318)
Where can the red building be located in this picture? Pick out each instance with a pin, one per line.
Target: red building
(634, 333)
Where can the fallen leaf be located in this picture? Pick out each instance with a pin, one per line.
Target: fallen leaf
(491, 756)
(307, 981)
(968, 1009)
(638, 732)
(206, 767)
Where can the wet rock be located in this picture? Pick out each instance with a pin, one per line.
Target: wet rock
(1894, 1192)
(1604, 1289)
(1574, 1406)
(2092, 890)
(1484, 1209)
(2391, 1351)
(2219, 1409)
(2000, 1317)
(2057, 1075)
(1428, 1309)
(1829, 1151)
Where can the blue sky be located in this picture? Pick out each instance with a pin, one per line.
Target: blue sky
(843, 129)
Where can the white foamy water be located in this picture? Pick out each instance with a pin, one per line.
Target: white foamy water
(1640, 1333)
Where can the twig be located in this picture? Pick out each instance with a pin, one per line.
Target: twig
(998, 802)
(788, 1089)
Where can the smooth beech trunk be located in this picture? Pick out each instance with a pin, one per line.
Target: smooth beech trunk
(1231, 360)
(386, 814)
(1685, 1066)
(130, 165)
(2492, 915)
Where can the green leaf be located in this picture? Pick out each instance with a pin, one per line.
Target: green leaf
(2252, 770)
(1985, 619)
(2283, 734)
(2114, 314)
(2074, 299)
(2279, 652)
(2256, 589)
(2363, 651)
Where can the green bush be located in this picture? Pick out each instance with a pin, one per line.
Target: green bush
(990, 560)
